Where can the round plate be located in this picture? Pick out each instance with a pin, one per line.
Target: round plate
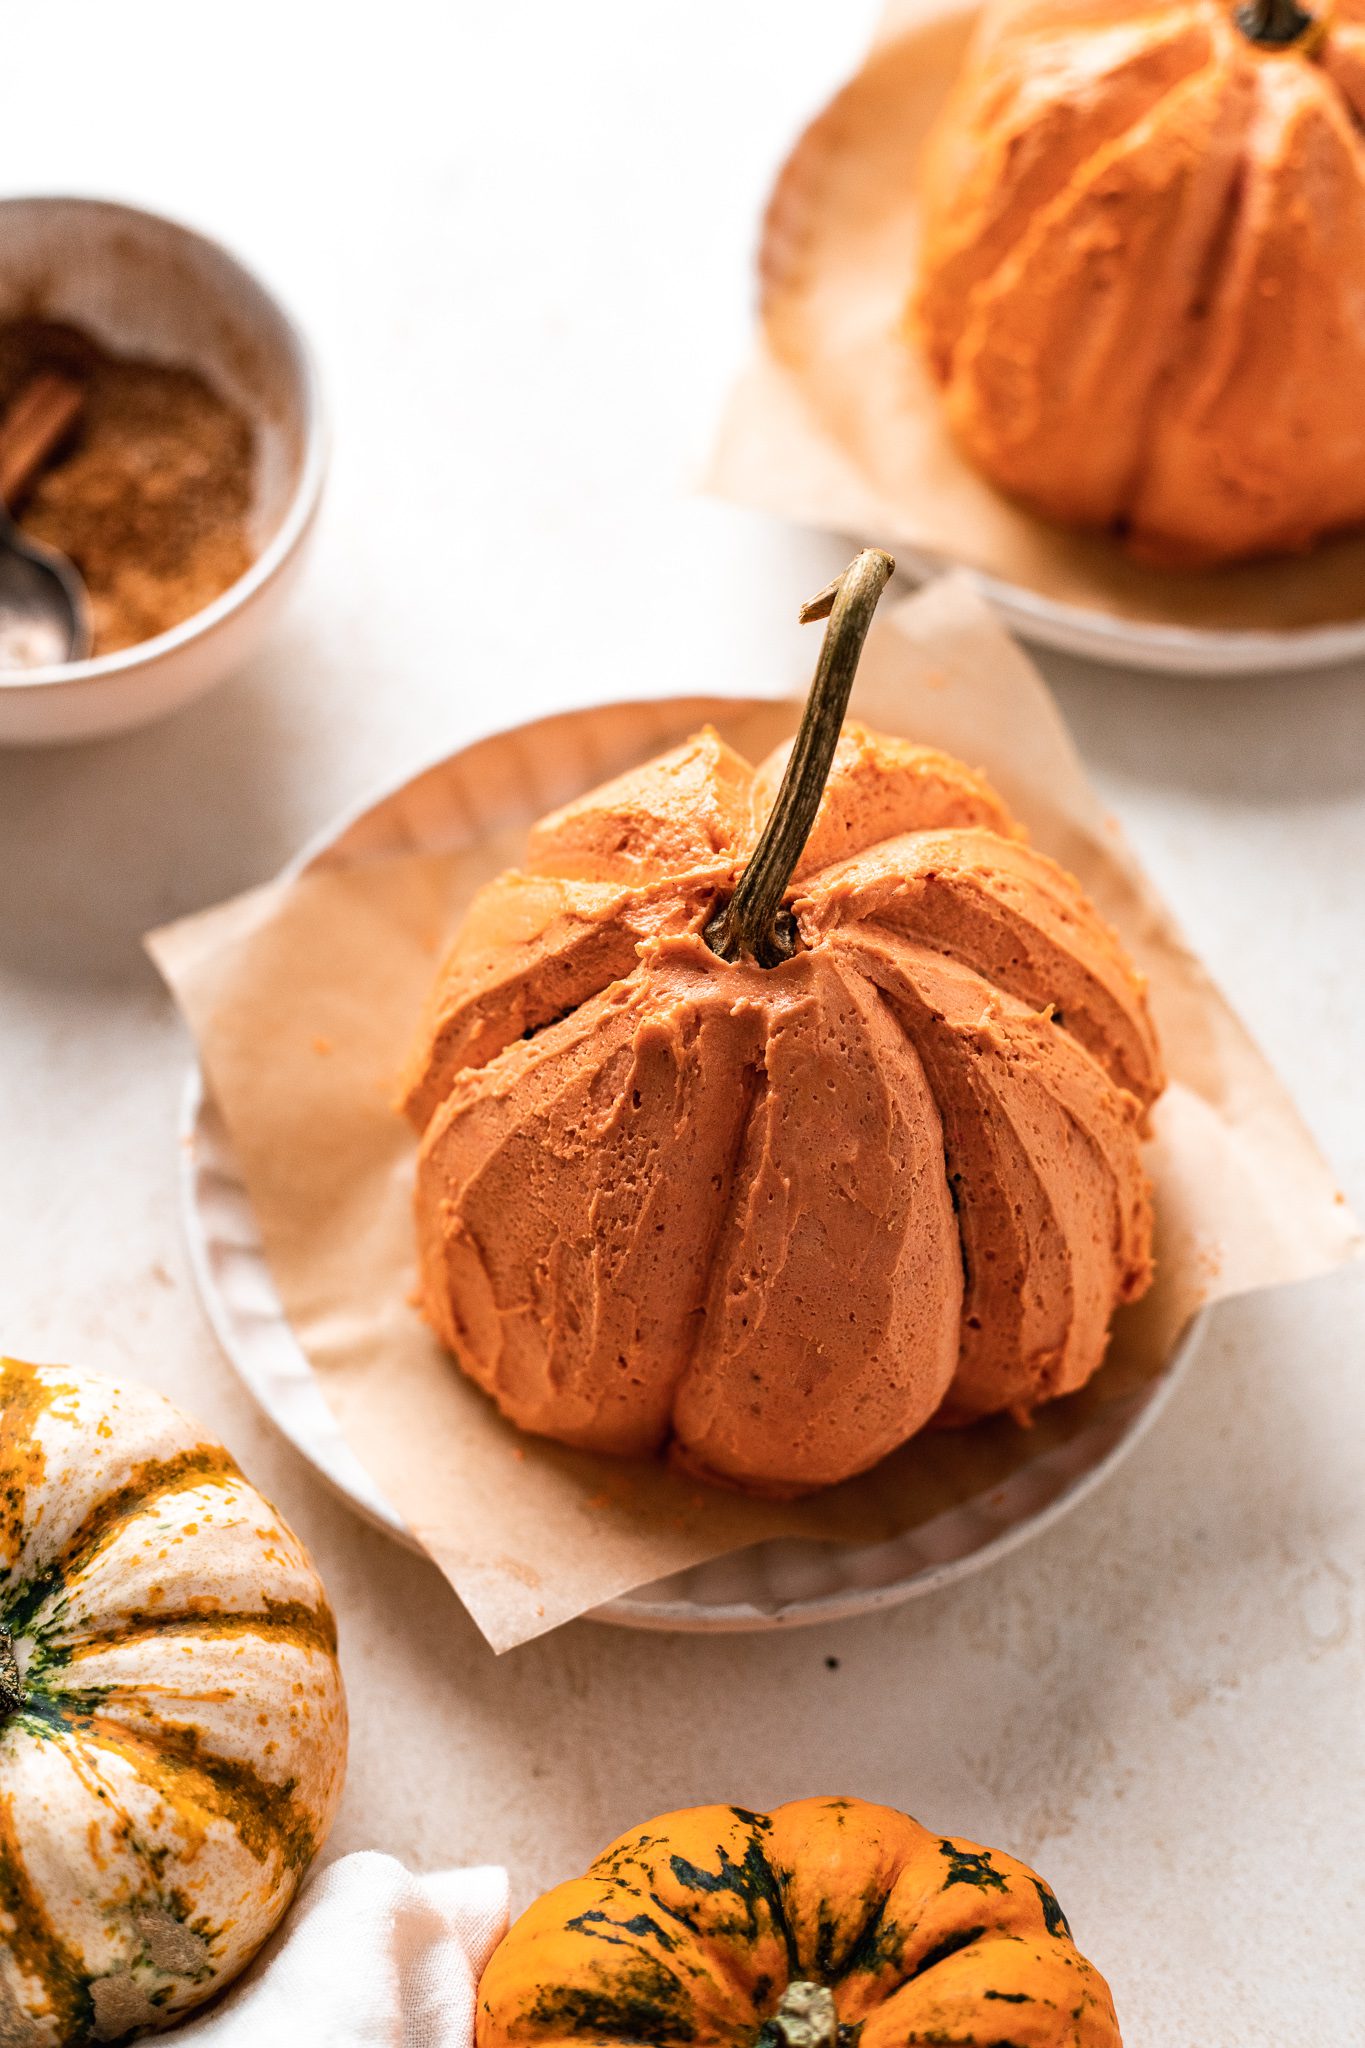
(1134, 643)
(838, 425)
(773, 1585)
(780, 1584)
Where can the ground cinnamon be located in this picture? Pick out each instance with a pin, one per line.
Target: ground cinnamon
(150, 495)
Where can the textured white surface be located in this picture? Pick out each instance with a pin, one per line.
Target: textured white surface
(520, 239)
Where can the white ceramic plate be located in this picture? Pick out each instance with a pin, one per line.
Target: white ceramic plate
(837, 254)
(780, 1584)
(1129, 643)
(774, 1585)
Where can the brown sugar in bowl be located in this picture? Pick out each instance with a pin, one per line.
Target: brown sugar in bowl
(142, 286)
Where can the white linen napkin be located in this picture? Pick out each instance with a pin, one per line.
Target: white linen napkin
(370, 1957)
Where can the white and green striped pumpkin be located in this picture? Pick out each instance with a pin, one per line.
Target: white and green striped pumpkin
(172, 1720)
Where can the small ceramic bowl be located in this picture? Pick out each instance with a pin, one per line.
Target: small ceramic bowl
(143, 285)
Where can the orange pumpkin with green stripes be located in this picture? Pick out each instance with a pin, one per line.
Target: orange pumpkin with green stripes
(829, 1923)
(172, 1720)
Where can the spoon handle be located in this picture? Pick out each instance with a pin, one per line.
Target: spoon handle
(36, 423)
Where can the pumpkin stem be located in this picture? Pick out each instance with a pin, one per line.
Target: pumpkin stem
(753, 922)
(1273, 23)
(806, 2018)
(11, 1684)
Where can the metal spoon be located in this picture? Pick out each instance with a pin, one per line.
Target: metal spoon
(44, 606)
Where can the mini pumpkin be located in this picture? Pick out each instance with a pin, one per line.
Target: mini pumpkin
(829, 1923)
(1143, 267)
(767, 1145)
(172, 1720)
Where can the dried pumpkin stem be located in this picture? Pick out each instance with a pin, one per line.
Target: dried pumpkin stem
(806, 2018)
(1273, 23)
(11, 1684)
(752, 923)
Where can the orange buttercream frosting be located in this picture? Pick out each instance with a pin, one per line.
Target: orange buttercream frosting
(1142, 282)
(775, 1219)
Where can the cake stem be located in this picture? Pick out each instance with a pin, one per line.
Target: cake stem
(1273, 23)
(752, 923)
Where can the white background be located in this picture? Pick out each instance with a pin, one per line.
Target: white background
(521, 240)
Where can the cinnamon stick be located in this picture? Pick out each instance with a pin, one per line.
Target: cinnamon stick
(36, 424)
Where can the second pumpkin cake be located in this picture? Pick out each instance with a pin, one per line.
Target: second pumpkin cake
(775, 1211)
(1142, 269)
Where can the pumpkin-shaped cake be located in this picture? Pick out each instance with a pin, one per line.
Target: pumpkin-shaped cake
(172, 1721)
(826, 1923)
(765, 1142)
(1143, 268)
